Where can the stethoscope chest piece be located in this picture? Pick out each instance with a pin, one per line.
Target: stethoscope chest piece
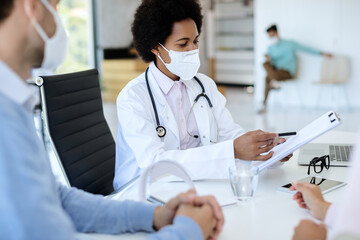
(161, 131)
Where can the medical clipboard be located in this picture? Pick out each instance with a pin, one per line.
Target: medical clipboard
(318, 127)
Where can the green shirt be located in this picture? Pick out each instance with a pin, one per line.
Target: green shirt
(283, 54)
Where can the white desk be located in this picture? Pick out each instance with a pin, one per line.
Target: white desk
(271, 214)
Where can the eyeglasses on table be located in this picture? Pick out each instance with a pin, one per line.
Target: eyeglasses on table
(319, 163)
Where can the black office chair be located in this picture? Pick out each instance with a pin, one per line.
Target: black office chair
(77, 129)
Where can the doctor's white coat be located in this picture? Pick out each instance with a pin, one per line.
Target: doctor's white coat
(138, 145)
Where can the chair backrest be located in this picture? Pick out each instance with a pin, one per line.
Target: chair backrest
(78, 131)
(335, 70)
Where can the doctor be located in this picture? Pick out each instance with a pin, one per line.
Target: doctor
(172, 112)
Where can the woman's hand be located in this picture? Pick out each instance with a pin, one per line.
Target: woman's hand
(309, 230)
(309, 196)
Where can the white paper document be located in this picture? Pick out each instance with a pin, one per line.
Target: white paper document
(220, 189)
(315, 129)
(152, 187)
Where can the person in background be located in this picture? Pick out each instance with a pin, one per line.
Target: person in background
(158, 117)
(342, 218)
(281, 61)
(32, 204)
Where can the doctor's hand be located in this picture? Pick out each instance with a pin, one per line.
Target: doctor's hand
(278, 141)
(250, 145)
(285, 159)
(309, 196)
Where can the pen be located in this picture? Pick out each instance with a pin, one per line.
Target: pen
(155, 200)
(286, 134)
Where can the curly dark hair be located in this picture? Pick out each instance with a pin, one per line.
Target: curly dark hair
(5, 8)
(154, 20)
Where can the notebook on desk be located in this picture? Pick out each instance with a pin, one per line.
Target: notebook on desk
(339, 153)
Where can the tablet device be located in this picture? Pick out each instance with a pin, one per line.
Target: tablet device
(326, 185)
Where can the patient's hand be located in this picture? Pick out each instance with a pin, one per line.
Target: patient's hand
(309, 230)
(309, 196)
(267, 57)
(217, 211)
(164, 215)
(203, 216)
(328, 55)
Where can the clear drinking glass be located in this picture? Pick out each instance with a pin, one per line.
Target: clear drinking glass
(243, 180)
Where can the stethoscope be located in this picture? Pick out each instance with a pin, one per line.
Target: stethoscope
(161, 131)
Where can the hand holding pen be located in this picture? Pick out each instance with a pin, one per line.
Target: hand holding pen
(285, 134)
(257, 145)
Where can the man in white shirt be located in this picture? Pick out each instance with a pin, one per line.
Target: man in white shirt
(32, 204)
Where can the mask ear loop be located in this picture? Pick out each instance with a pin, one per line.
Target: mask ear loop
(35, 23)
(164, 47)
(161, 57)
(49, 7)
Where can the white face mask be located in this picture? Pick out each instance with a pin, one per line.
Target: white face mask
(183, 64)
(55, 47)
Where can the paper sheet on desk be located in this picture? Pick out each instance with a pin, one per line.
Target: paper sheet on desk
(316, 128)
(220, 189)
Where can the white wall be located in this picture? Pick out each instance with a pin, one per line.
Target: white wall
(114, 22)
(328, 25)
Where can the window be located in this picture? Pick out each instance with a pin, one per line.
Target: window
(77, 21)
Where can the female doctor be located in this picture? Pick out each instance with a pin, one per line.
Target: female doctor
(172, 112)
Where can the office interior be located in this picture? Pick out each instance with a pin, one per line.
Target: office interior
(233, 43)
(232, 48)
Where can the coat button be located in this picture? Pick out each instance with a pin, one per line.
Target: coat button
(204, 136)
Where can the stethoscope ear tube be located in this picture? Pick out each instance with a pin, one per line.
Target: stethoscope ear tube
(202, 94)
(161, 131)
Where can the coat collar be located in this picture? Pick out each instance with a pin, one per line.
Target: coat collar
(14, 88)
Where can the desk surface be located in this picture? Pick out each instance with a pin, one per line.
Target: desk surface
(270, 214)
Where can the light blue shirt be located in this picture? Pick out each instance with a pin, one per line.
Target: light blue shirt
(283, 54)
(34, 206)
